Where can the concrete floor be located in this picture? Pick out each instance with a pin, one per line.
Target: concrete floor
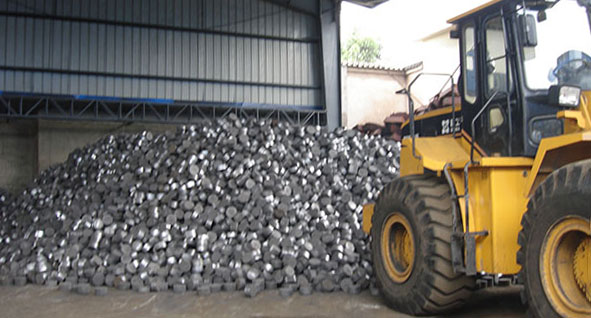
(36, 301)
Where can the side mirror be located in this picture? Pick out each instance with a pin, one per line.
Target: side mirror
(529, 33)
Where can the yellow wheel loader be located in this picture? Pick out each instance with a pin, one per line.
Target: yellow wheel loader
(497, 188)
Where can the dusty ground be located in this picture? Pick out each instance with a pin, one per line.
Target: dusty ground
(36, 301)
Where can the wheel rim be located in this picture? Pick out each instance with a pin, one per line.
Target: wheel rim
(398, 250)
(565, 267)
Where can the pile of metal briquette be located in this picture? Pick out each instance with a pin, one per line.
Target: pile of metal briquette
(228, 205)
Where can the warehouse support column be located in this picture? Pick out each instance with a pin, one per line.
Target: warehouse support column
(329, 25)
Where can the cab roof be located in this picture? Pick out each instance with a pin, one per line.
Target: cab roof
(533, 4)
(477, 9)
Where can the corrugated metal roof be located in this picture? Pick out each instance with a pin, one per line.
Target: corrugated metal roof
(382, 67)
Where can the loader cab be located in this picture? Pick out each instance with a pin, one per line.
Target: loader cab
(515, 56)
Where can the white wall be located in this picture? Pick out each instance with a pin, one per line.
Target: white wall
(439, 54)
(369, 95)
(399, 24)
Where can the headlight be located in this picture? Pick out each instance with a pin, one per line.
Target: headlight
(567, 96)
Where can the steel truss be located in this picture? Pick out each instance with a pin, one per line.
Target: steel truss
(88, 108)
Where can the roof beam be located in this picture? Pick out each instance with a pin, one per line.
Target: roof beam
(302, 6)
(368, 3)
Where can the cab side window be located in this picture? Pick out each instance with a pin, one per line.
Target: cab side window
(469, 65)
(496, 58)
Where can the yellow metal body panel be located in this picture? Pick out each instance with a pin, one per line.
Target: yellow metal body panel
(412, 165)
(580, 119)
(506, 162)
(366, 217)
(496, 206)
(556, 152)
(573, 120)
(496, 189)
(434, 153)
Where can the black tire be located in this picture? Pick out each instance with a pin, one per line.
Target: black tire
(566, 189)
(432, 287)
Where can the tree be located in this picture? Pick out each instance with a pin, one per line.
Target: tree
(361, 49)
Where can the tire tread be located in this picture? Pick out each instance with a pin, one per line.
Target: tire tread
(439, 288)
(574, 178)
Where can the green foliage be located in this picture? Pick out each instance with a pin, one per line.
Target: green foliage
(361, 49)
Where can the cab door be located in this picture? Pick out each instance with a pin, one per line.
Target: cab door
(494, 126)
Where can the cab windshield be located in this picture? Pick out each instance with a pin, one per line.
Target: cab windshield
(562, 54)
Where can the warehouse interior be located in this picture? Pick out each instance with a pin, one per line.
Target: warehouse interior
(72, 71)
(185, 108)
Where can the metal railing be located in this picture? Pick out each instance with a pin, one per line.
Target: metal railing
(411, 109)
